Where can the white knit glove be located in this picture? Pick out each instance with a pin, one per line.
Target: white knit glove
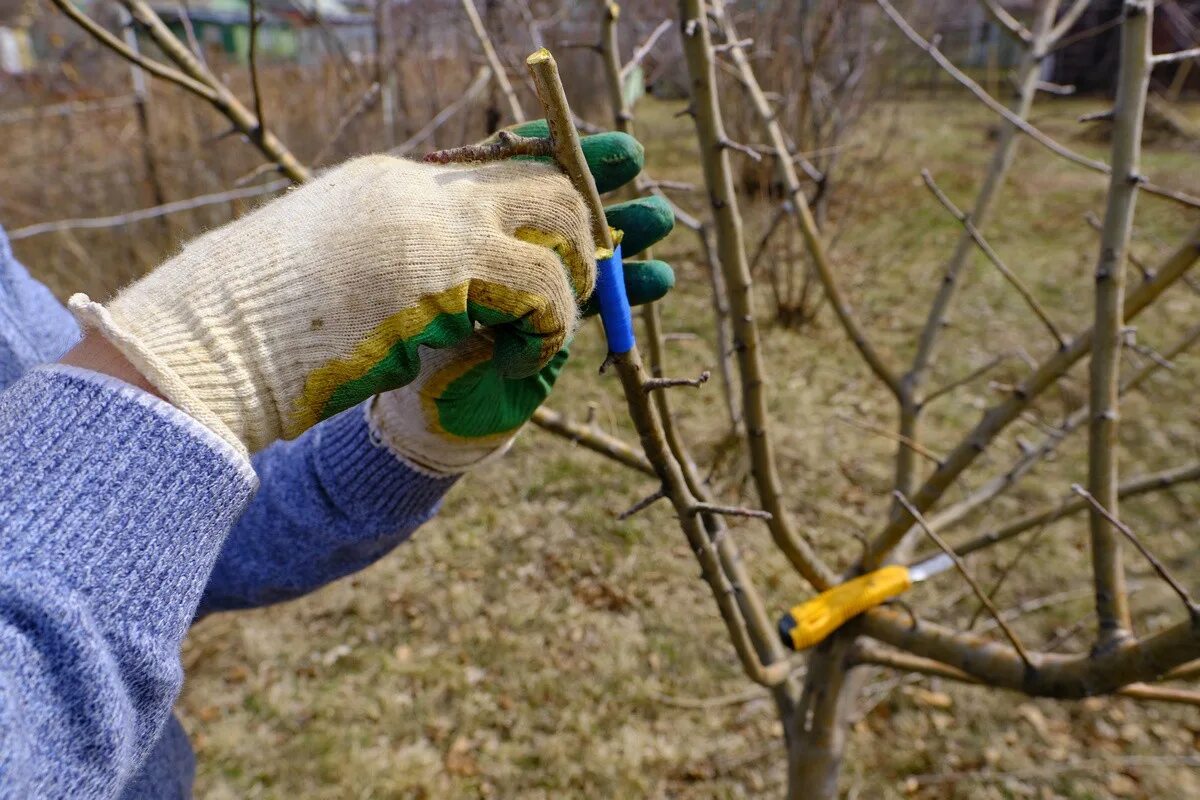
(321, 299)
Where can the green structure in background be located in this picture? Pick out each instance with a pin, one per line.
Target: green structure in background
(294, 30)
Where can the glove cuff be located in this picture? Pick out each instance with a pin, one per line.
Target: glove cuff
(399, 422)
(177, 385)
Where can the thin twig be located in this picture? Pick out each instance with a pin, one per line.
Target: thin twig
(155, 68)
(708, 703)
(992, 256)
(729, 511)
(744, 149)
(1025, 548)
(1143, 484)
(971, 376)
(147, 213)
(644, 48)
(962, 569)
(653, 384)
(1171, 58)
(1159, 567)
(477, 84)
(908, 442)
(364, 104)
(642, 504)
(1065, 22)
(493, 60)
(261, 124)
(1008, 21)
(592, 438)
(506, 145)
(70, 108)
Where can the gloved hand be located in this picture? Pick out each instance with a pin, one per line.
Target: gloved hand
(330, 294)
(462, 408)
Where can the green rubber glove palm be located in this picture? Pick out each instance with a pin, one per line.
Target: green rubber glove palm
(462, 407)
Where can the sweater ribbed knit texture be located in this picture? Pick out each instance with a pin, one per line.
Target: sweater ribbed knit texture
(113, 511)
(114, 507)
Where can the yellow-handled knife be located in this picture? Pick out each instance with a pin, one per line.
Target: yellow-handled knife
(810, 622)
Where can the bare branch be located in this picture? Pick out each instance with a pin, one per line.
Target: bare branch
(744, 149)
(364, 104)
(1144, 484)
(1007, 21)
(1031, 456)
(472, 91)
(971, 376)
(147, 213)
(962, 569)
(66, 109)
(697, 46)
(1029, 130)
(261, 123)
(117, 46)
(1066, 22)
(870, 653)
(1112, 606)
(804, 217)
(221, 98)
(911, 444)
(1192, 608)
(652, 384)
(992, 255)
(629, 367)
(493, 60)
(642, 504)
(1045, 375)
(593, 439)
(729, 511)
(1171, 58)
(506, 145)
(644, 48)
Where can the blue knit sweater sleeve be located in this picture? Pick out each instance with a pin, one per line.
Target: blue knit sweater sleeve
(113, 508)
(332, 502)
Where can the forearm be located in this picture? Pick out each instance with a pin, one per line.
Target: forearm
(113, 508)
(332, 502)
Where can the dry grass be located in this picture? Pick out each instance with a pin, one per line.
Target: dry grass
(526, 644)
